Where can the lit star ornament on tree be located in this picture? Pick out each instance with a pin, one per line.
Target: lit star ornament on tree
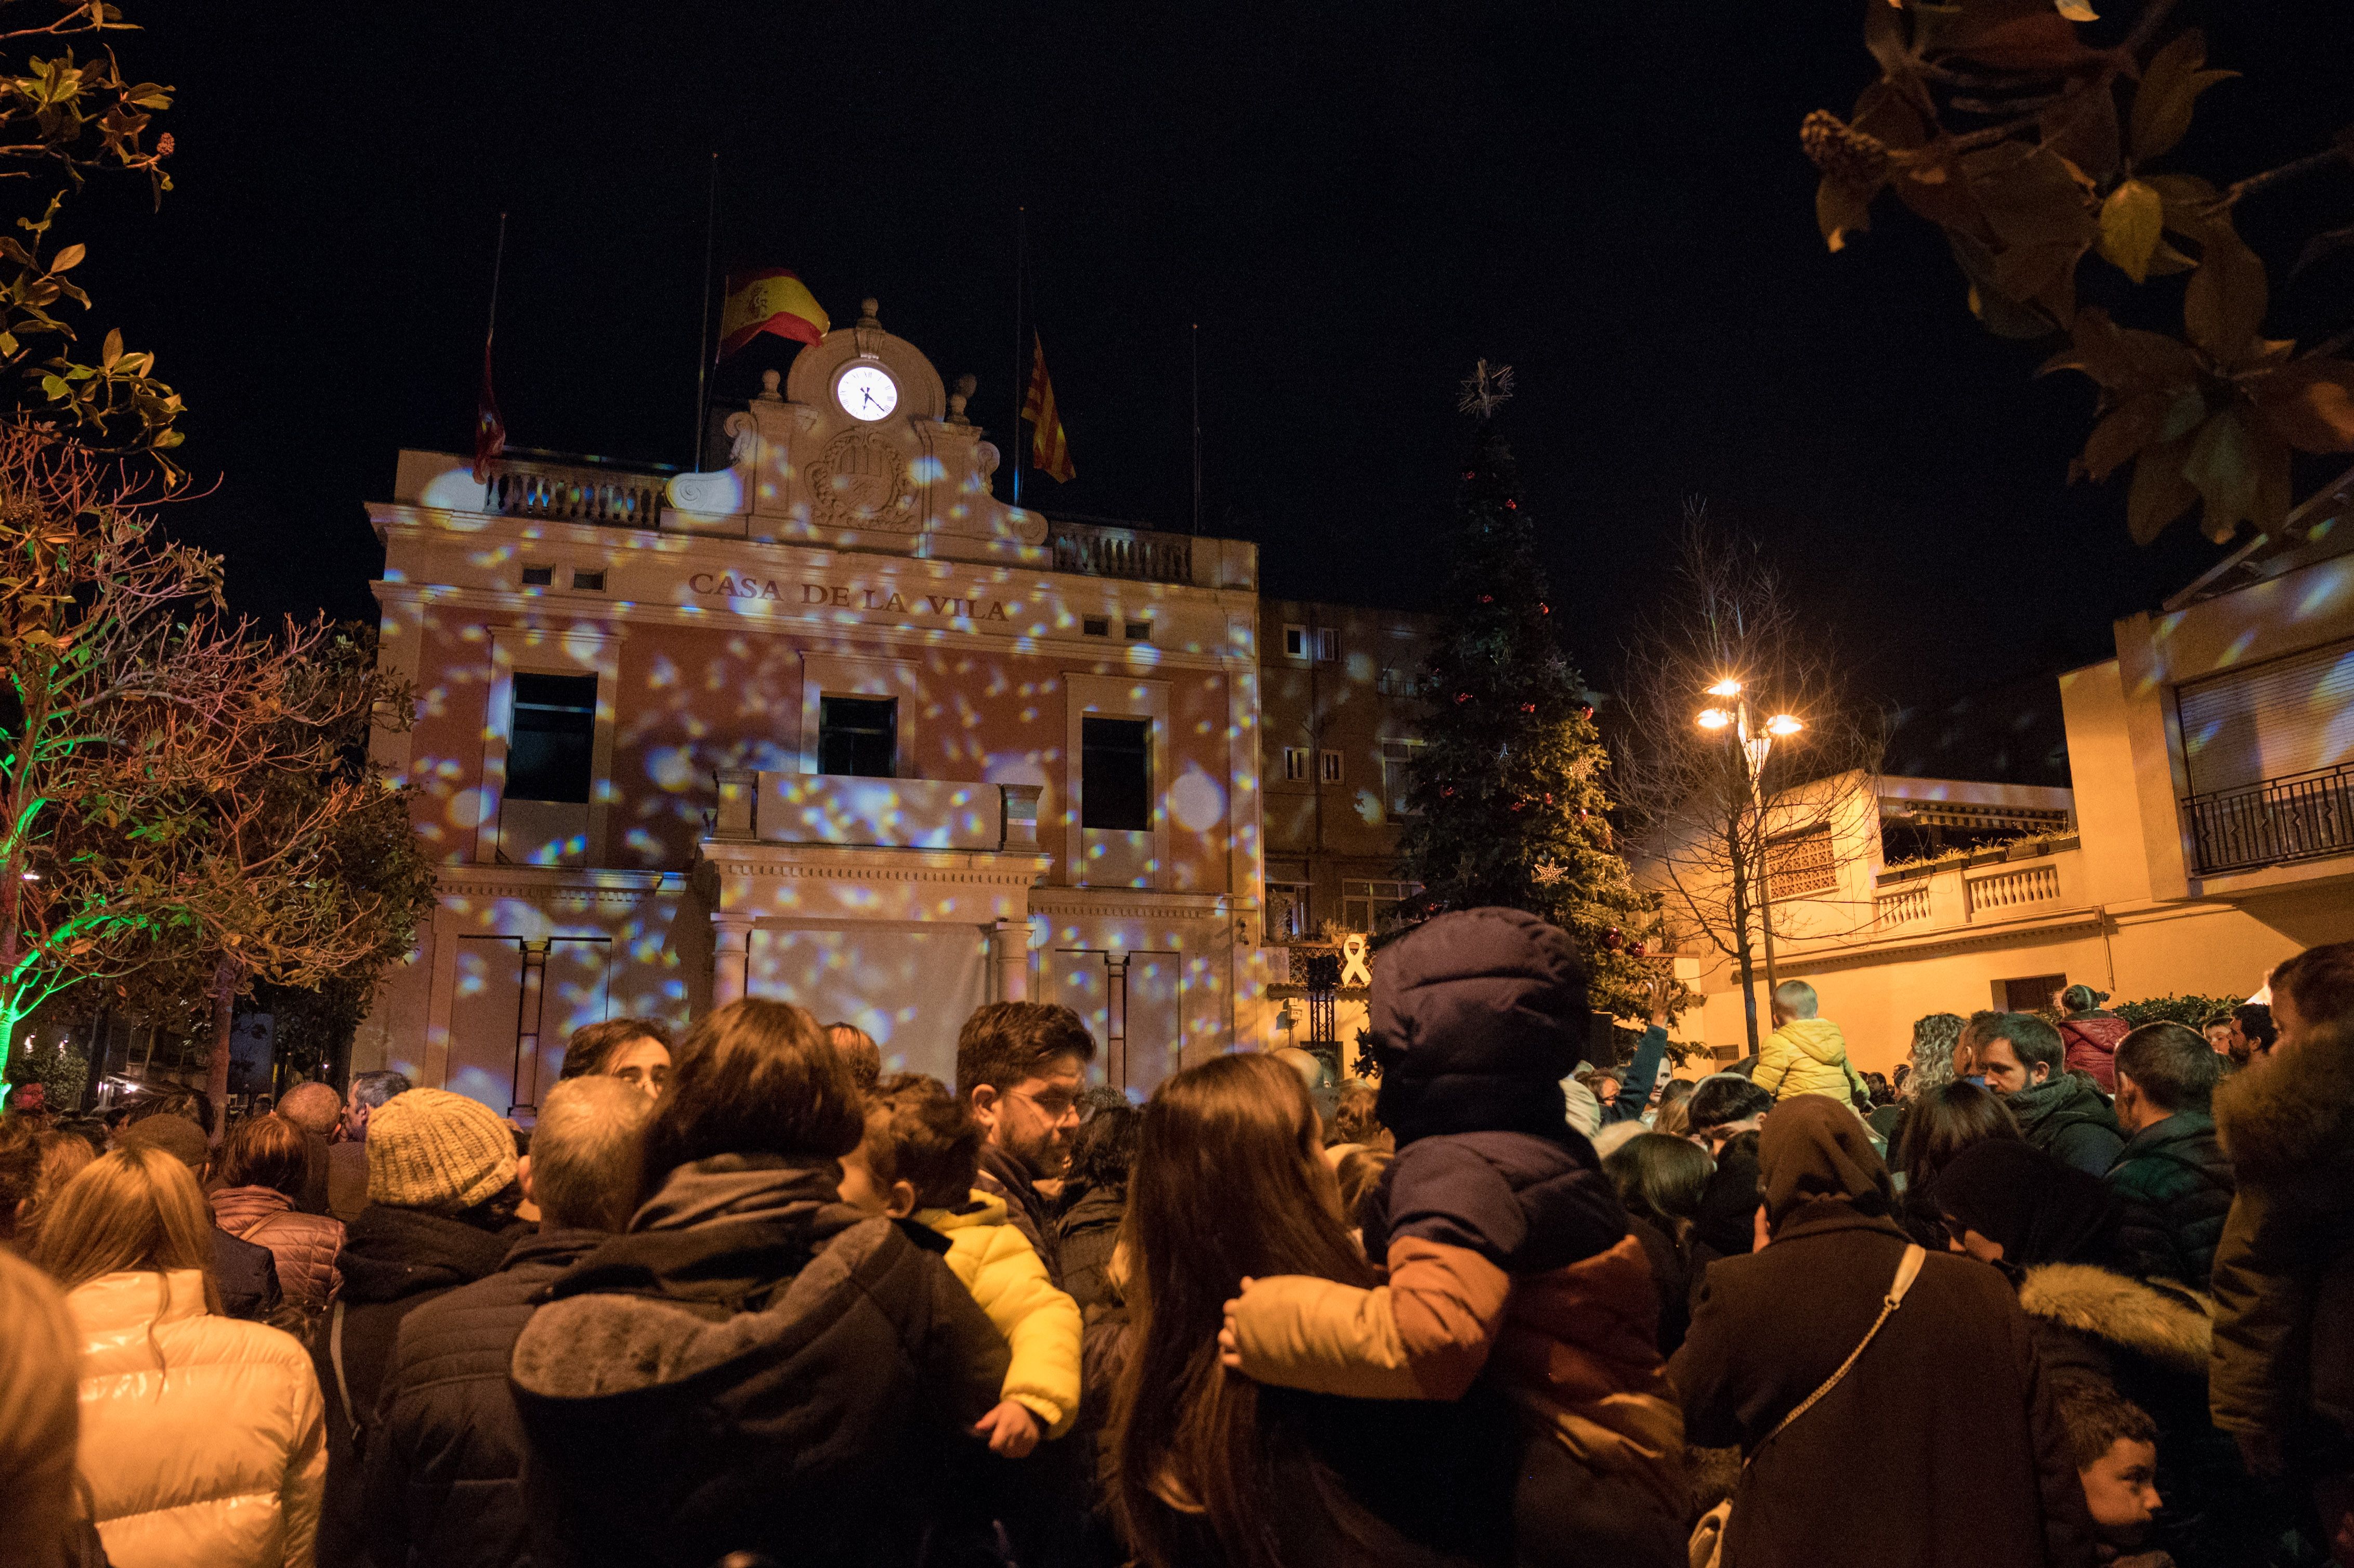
(1506, 805)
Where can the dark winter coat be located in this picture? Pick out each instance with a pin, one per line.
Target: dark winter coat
(1671, 1271)
(1085, 1237)
(444, 1465)
(2175, 1184)
(2150, 1344)
(1940, 1448)
(393, 1262)
(754, 1367)
(1027, 1209)
(2283, 1276)
(303, 1245)
(2091, 1040)
(2066, 1118)
(248, 1275)
(1727, 1227)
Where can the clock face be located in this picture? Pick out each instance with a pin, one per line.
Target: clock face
(866, 392)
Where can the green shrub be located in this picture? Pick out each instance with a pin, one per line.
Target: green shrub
(2193, 1010)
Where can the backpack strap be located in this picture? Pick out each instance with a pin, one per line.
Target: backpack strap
(1908, 1269)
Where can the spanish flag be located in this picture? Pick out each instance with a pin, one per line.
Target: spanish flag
(1050, 450)
(770, 299)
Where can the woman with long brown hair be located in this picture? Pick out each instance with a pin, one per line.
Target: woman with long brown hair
(1212, 1467)
(262, 1168)
(202, 1438)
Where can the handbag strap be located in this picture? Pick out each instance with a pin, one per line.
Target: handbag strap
(1908, 1269)
(344, 1387)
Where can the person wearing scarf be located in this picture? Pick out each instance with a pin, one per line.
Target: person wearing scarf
(1945, 1421)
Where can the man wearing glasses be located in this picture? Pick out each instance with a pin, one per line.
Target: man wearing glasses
(1021, 1065)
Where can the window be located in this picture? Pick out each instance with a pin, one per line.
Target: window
(539, 576)
(1801, 862)
(1329, 768)
(549, 741)
(1295, 763)
(859, 736)
(2272, 720)
(1328, 644)
(1367, 905)
(2031, 995)
(1116, 774)
(1294, 642)
(1396, 680)
(1095, 626)
(1287, 911)
(588, 582)
(1140, 630)
(1397, 776)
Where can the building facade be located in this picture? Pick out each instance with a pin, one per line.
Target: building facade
(831, 723)
(2208, 832)
(1341, 713)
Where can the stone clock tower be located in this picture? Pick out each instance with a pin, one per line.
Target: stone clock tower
(863, 449)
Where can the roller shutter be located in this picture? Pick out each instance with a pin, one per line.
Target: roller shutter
(2270, 721)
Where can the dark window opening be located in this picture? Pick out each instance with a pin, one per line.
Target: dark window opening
(539, 576)
(588, 582)
(1140, 630)
(858, 736)
(1116, 774)
(1095, 626)
(548, 744)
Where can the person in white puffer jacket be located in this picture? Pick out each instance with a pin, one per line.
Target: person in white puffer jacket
(203, 1437)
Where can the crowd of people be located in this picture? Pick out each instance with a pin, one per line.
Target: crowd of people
(2067, 1291)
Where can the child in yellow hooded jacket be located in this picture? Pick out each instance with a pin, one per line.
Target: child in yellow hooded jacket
(916, 1165)
(1805, 1054)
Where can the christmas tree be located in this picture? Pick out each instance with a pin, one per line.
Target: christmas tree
(1507, 795)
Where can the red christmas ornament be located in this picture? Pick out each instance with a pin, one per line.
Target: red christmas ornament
(1511, 506)
(1487, 599)
(1528, 708)
(1447, 789)
(1544, 609)
(1585, 710)
(1462, 696)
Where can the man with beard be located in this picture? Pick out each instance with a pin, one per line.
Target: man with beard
(1021, 1066)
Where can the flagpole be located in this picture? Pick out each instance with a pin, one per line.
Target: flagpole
(1197, 426)
(1021, 381)
(703, 324)
(498, 264)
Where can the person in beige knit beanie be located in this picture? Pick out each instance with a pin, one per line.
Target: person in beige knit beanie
(431, 1150)
(441, 1213)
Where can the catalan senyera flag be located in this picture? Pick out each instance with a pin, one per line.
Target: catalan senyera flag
(1050, 450)
(772, 300)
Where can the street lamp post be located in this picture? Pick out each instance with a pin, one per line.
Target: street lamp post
(1756, 743)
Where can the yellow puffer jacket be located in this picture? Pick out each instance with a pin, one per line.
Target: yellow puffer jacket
(1040, 1325)
(1805, 1056)
(203, 1438)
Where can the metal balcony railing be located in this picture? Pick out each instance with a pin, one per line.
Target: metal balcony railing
(2298, 817)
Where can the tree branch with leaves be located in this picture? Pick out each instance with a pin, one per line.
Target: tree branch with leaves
(2033, 149)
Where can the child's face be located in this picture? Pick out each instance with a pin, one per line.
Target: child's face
(860, 1191)
(2121, 1489)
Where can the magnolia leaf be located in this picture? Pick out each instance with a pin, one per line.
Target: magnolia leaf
(2075, 10)
(2165, 259)
(68, 259)
(2132, 220)
(113, 349)
(2128, 429)
(2222, 465)
(2162, 104)
(2039, 41)
(2224, 302)
(2160, 493)
(1841, 209)
(2310, 405)
(2084, 130)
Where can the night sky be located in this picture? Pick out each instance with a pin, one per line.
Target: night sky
(1354, 202)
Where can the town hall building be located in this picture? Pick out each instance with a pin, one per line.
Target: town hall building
(831, 724)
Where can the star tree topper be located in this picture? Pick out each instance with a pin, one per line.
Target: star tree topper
(1488, 388)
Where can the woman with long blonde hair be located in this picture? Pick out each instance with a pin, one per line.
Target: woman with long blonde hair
(1231, 1184)
(203, 1439)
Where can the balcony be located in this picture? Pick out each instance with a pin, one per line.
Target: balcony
(1103, 549)
(1984, 887)
(573, 492)
(2303, 816)
(847, 811)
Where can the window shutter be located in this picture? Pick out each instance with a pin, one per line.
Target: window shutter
(2288, 716)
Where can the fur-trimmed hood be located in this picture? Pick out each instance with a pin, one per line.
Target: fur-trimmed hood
(2286, 1118)
(2171, 1327)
